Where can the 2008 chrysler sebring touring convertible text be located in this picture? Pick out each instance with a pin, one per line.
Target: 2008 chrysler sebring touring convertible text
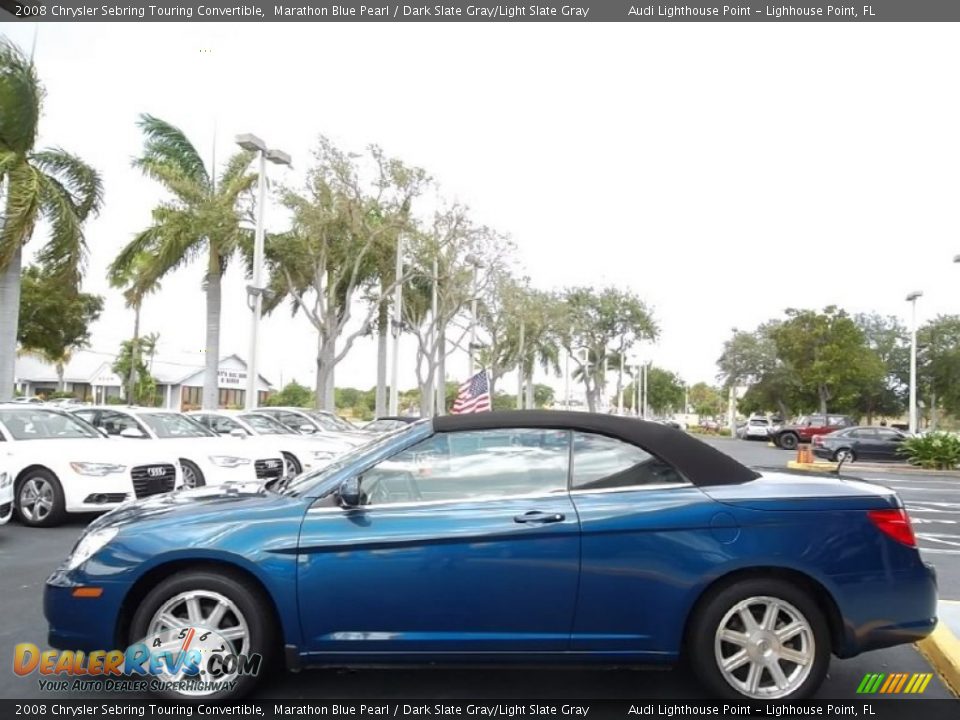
(507, 538)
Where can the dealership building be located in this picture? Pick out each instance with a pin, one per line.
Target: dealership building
(89, 376)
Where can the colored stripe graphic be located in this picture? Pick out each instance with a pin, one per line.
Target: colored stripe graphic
(893, 684)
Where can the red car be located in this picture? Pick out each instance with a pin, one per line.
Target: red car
(806, 428)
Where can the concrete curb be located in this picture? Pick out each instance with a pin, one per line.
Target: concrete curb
(942, 650)
(825, 466)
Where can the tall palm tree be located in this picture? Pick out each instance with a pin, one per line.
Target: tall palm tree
(202, 216)
(34, 184)
(134, 279)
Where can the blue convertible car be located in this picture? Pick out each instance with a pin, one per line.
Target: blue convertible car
(547, 537)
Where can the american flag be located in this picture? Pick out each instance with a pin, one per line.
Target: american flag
(473, 396)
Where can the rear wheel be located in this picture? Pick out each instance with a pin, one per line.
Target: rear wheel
(760, 639)
(845, 455)
(39, 499)
(789, 441)
(232, 608)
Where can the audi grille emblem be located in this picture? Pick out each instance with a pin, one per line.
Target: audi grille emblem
(272, 463)
(156, 472)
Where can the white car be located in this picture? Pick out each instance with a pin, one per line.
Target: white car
(205, 457)
(301, 452)
(756, 429)
(60, 464)
(6, 493)
(317, 422)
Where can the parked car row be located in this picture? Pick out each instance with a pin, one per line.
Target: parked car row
(92, 458)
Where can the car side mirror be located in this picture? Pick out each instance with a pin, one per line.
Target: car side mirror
(350, 494)
(237, 433)
(308, 429)
(132, 433)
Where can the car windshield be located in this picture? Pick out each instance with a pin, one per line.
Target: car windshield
(172, 425)
(757, 421)
(331, 423)
(35, 424)
(306, 481)
(265, 425)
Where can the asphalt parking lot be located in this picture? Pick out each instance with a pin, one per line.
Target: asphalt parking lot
(27, 556)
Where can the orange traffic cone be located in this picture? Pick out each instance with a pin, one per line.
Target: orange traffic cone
(803, 454)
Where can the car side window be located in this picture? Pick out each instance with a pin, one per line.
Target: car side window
(292, 420)
(887, 434)
(600, 462)
(472, 465)
(115, 423)
(91, 416)
(224, 426)
(864, 433)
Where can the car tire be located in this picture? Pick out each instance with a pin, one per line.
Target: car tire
(851, 455)
(191, 471)
(40, 487)
(721, 616)
(248, 608)
(293, 463)
(789, 441)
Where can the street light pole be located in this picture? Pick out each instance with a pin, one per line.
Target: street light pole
(397, 324)
(473, 321)
(255, 290)
(620, 387)
(520, 371)
(434, 344)
(912, 299)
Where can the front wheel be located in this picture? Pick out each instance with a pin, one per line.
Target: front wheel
(192, 475)
(223, 618)
(762, 640)
(291, 465)
(39, 499)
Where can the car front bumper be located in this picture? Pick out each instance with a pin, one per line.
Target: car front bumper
(82, 623)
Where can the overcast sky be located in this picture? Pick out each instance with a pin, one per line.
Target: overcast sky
(724, 172)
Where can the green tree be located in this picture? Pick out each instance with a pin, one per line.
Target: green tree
(54, 318)
(590, 323)
(341, 220)
(293, 394)
(938, 365)
(201, 217)
(706, 400)
(134, 278)
(885, 393)
(543, 395)
(665, 392)
(131, 362)
(49, 184)
(828, 355)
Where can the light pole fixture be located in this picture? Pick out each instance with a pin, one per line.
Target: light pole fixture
(256, 291)
(912, 299)
(477, 263)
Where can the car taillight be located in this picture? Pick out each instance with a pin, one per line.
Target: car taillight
(895, 523)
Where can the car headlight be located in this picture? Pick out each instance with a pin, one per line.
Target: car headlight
(97, 469)
(228, 461)
(5, 480)
(89, 544)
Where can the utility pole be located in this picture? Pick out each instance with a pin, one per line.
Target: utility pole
(520, 371)
(397, 325)
(620, 387)
(912, 299)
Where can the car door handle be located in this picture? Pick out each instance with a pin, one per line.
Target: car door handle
(535, 516)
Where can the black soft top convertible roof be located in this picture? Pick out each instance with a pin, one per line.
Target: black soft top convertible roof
(699, 462)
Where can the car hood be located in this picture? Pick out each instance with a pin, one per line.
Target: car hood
(88, 450)
(196, 504)
(802, 490)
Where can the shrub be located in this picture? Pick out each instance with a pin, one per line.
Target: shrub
(934, 451)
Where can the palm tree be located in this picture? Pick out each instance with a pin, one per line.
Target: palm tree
(201, 217)
(134, 279)
(50, 184)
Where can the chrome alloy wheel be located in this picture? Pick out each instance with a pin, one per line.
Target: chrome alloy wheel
(190, 479)
(201, 609)
(764, 648)
(36, 499)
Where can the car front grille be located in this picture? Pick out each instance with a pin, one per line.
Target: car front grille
(153, 479)
(269, 468)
